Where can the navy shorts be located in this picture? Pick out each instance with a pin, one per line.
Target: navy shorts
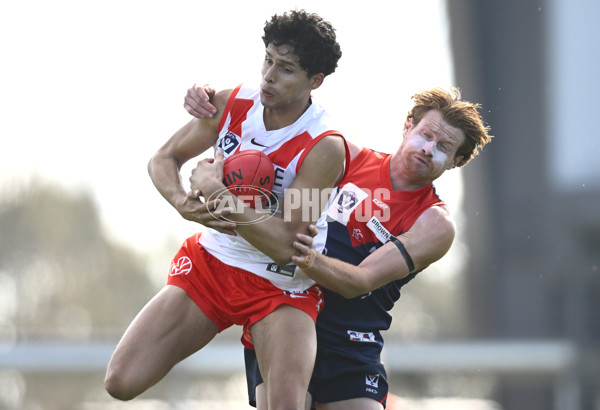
(330, 382)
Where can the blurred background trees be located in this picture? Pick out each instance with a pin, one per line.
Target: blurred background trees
(61, 277)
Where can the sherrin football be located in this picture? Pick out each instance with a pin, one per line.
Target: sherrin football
(249, 174)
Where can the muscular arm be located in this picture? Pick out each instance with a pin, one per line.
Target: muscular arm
(320, 170)
(427, 241)
(192, 139)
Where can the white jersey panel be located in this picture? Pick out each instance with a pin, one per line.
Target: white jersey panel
(244, 129)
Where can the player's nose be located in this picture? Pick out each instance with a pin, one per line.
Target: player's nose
(428, 147)
(269, 74)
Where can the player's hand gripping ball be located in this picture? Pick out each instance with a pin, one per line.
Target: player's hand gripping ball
(249, 175)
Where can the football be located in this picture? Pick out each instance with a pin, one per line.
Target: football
(249, 174)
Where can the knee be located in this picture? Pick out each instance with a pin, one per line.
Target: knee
(118, 387)
(287, 398)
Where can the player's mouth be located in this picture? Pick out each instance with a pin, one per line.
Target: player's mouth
(265, 93)
(421, 160)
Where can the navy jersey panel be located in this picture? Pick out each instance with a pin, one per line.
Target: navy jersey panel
(365, 213)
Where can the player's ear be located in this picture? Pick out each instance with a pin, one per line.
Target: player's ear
(457, 160)
(316, 81)
(407, 126)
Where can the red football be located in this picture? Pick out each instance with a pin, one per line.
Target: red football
(250, 174)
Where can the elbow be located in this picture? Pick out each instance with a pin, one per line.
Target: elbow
(153, 164)
(354, 292)
(150, 165)
(282, 257)
(282, 261)
(349, 295)
(161, 160)
(283, 252)
(353, 288)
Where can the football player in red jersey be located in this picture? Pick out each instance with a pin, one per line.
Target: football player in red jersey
(393, 228)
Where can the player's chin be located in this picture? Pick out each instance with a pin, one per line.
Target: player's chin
(269, 101)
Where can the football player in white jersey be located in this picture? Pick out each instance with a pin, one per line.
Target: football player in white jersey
(205, 295)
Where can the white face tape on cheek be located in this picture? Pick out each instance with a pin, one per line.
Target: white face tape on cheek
(438, 157)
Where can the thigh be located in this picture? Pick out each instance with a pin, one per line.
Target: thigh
(261, 397)
(167, 330)
(285, 343)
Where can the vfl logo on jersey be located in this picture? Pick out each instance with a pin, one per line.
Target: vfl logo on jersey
(228, 143)
(372, 380)
(362, 337)
(379, 230)
(345, 202)
(182, 266)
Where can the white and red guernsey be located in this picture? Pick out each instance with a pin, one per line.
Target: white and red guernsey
(242, 127)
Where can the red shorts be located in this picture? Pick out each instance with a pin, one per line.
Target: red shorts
(230, 295)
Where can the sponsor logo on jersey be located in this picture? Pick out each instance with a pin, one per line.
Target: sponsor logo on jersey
(363, 337)
(181, 266)
(372, 380)
(379, 230)
(287, 270)
(380, 203)
(228, 143)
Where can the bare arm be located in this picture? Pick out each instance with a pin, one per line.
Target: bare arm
(320, 170)
(164, 167)
(426, 242)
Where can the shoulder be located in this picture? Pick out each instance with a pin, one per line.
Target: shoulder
(323, 164)
(221, 97)
(436, 220)
(328, 151)
(332, 143)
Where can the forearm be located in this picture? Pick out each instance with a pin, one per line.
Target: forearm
(341, 277)
(194, 138)
(164, 173)
(271, 235)
(269, 238)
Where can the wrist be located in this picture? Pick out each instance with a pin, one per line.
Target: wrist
(211, 188)
(308, 261)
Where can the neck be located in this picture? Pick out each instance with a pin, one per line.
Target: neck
(276, 118)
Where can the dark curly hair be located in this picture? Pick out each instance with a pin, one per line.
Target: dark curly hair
(310, 37)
